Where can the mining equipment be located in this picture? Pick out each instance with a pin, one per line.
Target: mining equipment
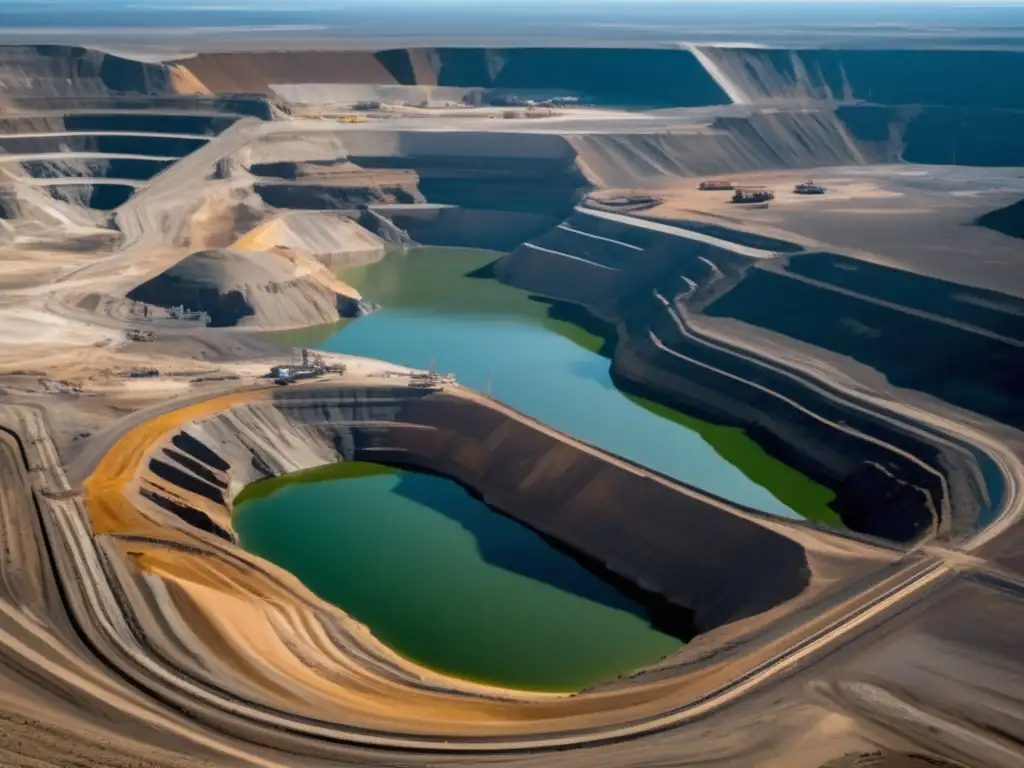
(311, 367)
(752, 195)
(137, 335)
(431, 380)
(808, 188)
(712, 186)
(141, 373)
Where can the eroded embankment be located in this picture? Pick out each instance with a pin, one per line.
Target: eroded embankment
(892, 478)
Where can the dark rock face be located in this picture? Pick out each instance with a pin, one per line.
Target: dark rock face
(99, 197)
(962, 365)
(1008, 220)
(610, 76)
(548, 186)
(939, 135)
(348, 307)
(186, 514)
(872, 499)
(325, 197)
(384, 228)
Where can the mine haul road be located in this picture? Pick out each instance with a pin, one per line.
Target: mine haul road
(94, 608)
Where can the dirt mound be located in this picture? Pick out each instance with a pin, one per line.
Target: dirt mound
(255, 289)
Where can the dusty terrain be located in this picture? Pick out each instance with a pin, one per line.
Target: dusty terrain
(154, 216)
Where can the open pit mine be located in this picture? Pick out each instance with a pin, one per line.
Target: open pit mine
(531, 406)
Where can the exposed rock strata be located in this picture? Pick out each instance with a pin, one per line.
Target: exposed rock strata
(654, 288)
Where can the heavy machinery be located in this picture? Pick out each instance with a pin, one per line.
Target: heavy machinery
(715, 185)
(752, 195)
(808, 188)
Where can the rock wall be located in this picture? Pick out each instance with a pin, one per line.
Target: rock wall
(496, 189)
(939, 135)
(39, 71)
(954, 78)
(919, 106)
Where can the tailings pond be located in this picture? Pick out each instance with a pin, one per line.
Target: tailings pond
(445, 581)
(435, 574)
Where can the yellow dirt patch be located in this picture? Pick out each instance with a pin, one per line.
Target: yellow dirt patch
(184, 81)
(104, 491)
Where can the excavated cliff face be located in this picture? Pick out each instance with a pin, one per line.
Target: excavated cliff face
(607, 76)
(57, 77)
(654, 287)
(806, 138)
(921, 106)
(700, 554)
(59, 71)
(487, 189)
(91, 128)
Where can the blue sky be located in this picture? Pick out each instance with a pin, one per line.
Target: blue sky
(459, 16)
